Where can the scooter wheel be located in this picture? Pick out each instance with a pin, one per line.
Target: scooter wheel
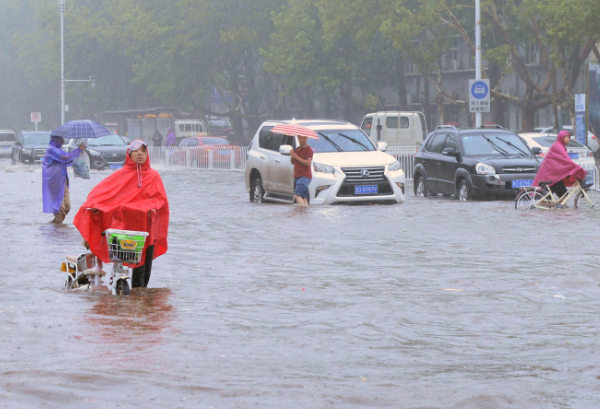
(122, 287)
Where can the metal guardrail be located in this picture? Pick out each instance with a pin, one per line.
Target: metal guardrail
(213, 158)
(227, 159)
(406, 157)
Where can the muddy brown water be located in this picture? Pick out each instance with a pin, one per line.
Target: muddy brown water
(428, 304)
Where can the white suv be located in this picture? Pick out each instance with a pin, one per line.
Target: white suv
(346, 167)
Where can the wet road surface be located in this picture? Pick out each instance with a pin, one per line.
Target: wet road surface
(428, 304)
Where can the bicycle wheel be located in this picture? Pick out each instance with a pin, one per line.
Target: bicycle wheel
(592, 201)
(527, 200)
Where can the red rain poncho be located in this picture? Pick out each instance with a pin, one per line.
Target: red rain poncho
(557, 164)
(132, 198)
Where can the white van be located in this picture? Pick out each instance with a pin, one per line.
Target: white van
(7, 139)
(398, 129)
(184, 128)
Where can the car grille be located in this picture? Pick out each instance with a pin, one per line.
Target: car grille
(39, 152)
(519, 169)
(111, 158)
(354, 177)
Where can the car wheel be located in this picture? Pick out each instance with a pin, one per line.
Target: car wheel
(463, 193)
(420, 189)
(257, 192)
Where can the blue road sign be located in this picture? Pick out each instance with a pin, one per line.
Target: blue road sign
(479, 95)
(479, 90)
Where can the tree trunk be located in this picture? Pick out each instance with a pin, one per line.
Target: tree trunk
(401, 83)
(528, 111)
(439, 97)
(327, 103)
(252, 96)
(425, 97)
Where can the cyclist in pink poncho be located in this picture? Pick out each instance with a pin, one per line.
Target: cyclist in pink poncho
(557, 166)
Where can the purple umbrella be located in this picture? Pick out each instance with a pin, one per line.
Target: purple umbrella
(81, 129)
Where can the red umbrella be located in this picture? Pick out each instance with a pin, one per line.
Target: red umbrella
(295, 129)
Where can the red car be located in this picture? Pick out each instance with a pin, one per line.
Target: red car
(206, 152)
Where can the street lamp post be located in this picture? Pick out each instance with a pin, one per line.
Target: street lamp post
(478, 121)
(61, 9)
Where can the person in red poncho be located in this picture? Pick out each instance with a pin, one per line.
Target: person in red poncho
(558, 166)
(132, 198)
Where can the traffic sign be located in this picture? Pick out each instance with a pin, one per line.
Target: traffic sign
(479, 95)
(579, 102)
(36, 117)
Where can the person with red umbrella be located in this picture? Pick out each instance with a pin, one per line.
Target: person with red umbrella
(301, 158)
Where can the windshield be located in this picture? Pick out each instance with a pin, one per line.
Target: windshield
(215, 141)
(37, 139)
(494, 145)
(108, 140)
(7, 137)
(217, 129)
(548, 142)
(347, 140)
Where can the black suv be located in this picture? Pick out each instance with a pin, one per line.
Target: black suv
(473, 163)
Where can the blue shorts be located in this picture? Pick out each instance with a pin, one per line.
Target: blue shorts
(302, 187)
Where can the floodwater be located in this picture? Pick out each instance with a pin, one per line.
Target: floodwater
(428, 304)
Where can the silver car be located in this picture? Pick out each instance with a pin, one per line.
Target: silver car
(7, 139)
(346, 168)
(592, 139)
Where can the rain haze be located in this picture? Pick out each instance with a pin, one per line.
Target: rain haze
(363, 211)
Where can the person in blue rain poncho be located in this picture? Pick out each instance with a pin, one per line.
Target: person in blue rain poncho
(55, 184)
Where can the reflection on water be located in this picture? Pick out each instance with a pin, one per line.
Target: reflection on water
(144, 315)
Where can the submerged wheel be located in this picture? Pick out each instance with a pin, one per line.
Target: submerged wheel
(257, 192)
(527, 200)
(420, 189)
(463, 193)
(122, 287)
(591, 199)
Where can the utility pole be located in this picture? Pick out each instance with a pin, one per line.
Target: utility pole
(478, 121)
(61, 9)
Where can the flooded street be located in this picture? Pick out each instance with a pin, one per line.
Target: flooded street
(428, 304)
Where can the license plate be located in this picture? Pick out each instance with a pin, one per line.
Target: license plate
(114, 167)
(366, 190)
(517, 183)
(574, 155)
(5, 148)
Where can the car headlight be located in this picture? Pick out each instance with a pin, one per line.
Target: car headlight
(485, 169)
(395, 166)
(93, 152)
(28, 151)
(323, 168)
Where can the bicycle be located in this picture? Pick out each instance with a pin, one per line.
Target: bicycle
(542, 198)
(85, 269)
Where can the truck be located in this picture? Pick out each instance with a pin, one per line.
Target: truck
(184, 128)
(397, 128)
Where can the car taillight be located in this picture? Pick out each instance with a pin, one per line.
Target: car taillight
(594, 137)
(542, 155)
(589, 153)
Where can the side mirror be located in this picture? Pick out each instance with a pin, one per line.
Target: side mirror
(536, 150)
(449, 152)
(379, 127)
(382, 146)
(285, 149)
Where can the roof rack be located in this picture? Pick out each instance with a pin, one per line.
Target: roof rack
(446, 127)
(492, 126)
